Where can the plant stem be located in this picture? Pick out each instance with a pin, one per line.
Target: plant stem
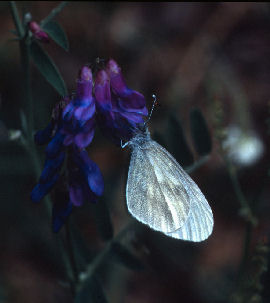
(25, 62)
(102, 256)
(197, 164)
(245, 210)
(72, 260)
(16, 19)
(245, 251)
(25, 59)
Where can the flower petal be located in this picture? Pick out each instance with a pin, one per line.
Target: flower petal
(115, 75)
(133, 102)
(103, 91)
(84, 84)
(60, 212)
(51, 167)
(82, 140)
(76, 194)
(68, 139)
(41, 189)
(84, 113)
(44, 136)
(91, 172)
(54, 147)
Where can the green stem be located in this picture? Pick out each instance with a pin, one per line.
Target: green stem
(70, 250)
(25, 62)
(16, 19)
(25, 59)
(197, 164)
(245, 252)
(245, 211)
(53, 13)
(103, 255)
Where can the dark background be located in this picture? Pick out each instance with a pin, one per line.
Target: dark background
(188, 54)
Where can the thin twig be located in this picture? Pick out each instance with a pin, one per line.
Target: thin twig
(70, 251)
(16, 19)
(197, 164)
(245, 210)
(102, 256)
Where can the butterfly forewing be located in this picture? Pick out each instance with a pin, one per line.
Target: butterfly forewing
(155, 194)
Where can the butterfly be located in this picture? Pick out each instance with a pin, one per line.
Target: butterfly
(162, 195)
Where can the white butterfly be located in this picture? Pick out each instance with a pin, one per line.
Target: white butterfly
(162, 195)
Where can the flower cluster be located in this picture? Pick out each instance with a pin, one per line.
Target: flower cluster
(117, 109)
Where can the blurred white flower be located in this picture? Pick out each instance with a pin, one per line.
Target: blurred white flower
(14, 134)
(243, 147)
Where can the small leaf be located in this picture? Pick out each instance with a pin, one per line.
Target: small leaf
(92, 291)
(177, 142)
(47, 68)
(56, 32)
(200, 133)
(123, 256)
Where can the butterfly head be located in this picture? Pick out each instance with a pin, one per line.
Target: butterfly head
(141, 136)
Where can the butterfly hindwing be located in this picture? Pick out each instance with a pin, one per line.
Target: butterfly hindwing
(199, 224)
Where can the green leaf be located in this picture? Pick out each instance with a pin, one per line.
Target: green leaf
(47, 68)
(123, 256)
(177, 142)
(92, 291)
(56, 32)
(200, 133)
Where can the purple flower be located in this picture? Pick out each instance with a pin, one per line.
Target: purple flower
(78, 116)
(60, 212)
(69, 132)
(37, 32)
(120, 109)
(85, 179)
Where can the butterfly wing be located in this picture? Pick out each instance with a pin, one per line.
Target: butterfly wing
(199, 224)
(155, 194)
(195, 218)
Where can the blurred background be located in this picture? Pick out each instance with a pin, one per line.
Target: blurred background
(211, 56)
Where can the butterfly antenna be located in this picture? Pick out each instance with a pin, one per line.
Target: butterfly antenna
(152, 109)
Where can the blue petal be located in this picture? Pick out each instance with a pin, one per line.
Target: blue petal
(51, 166)
(44, 136)
(82, 140)
(41, 189)
(95, 179)
(60, 212)
(91, 172)
(55, 145)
